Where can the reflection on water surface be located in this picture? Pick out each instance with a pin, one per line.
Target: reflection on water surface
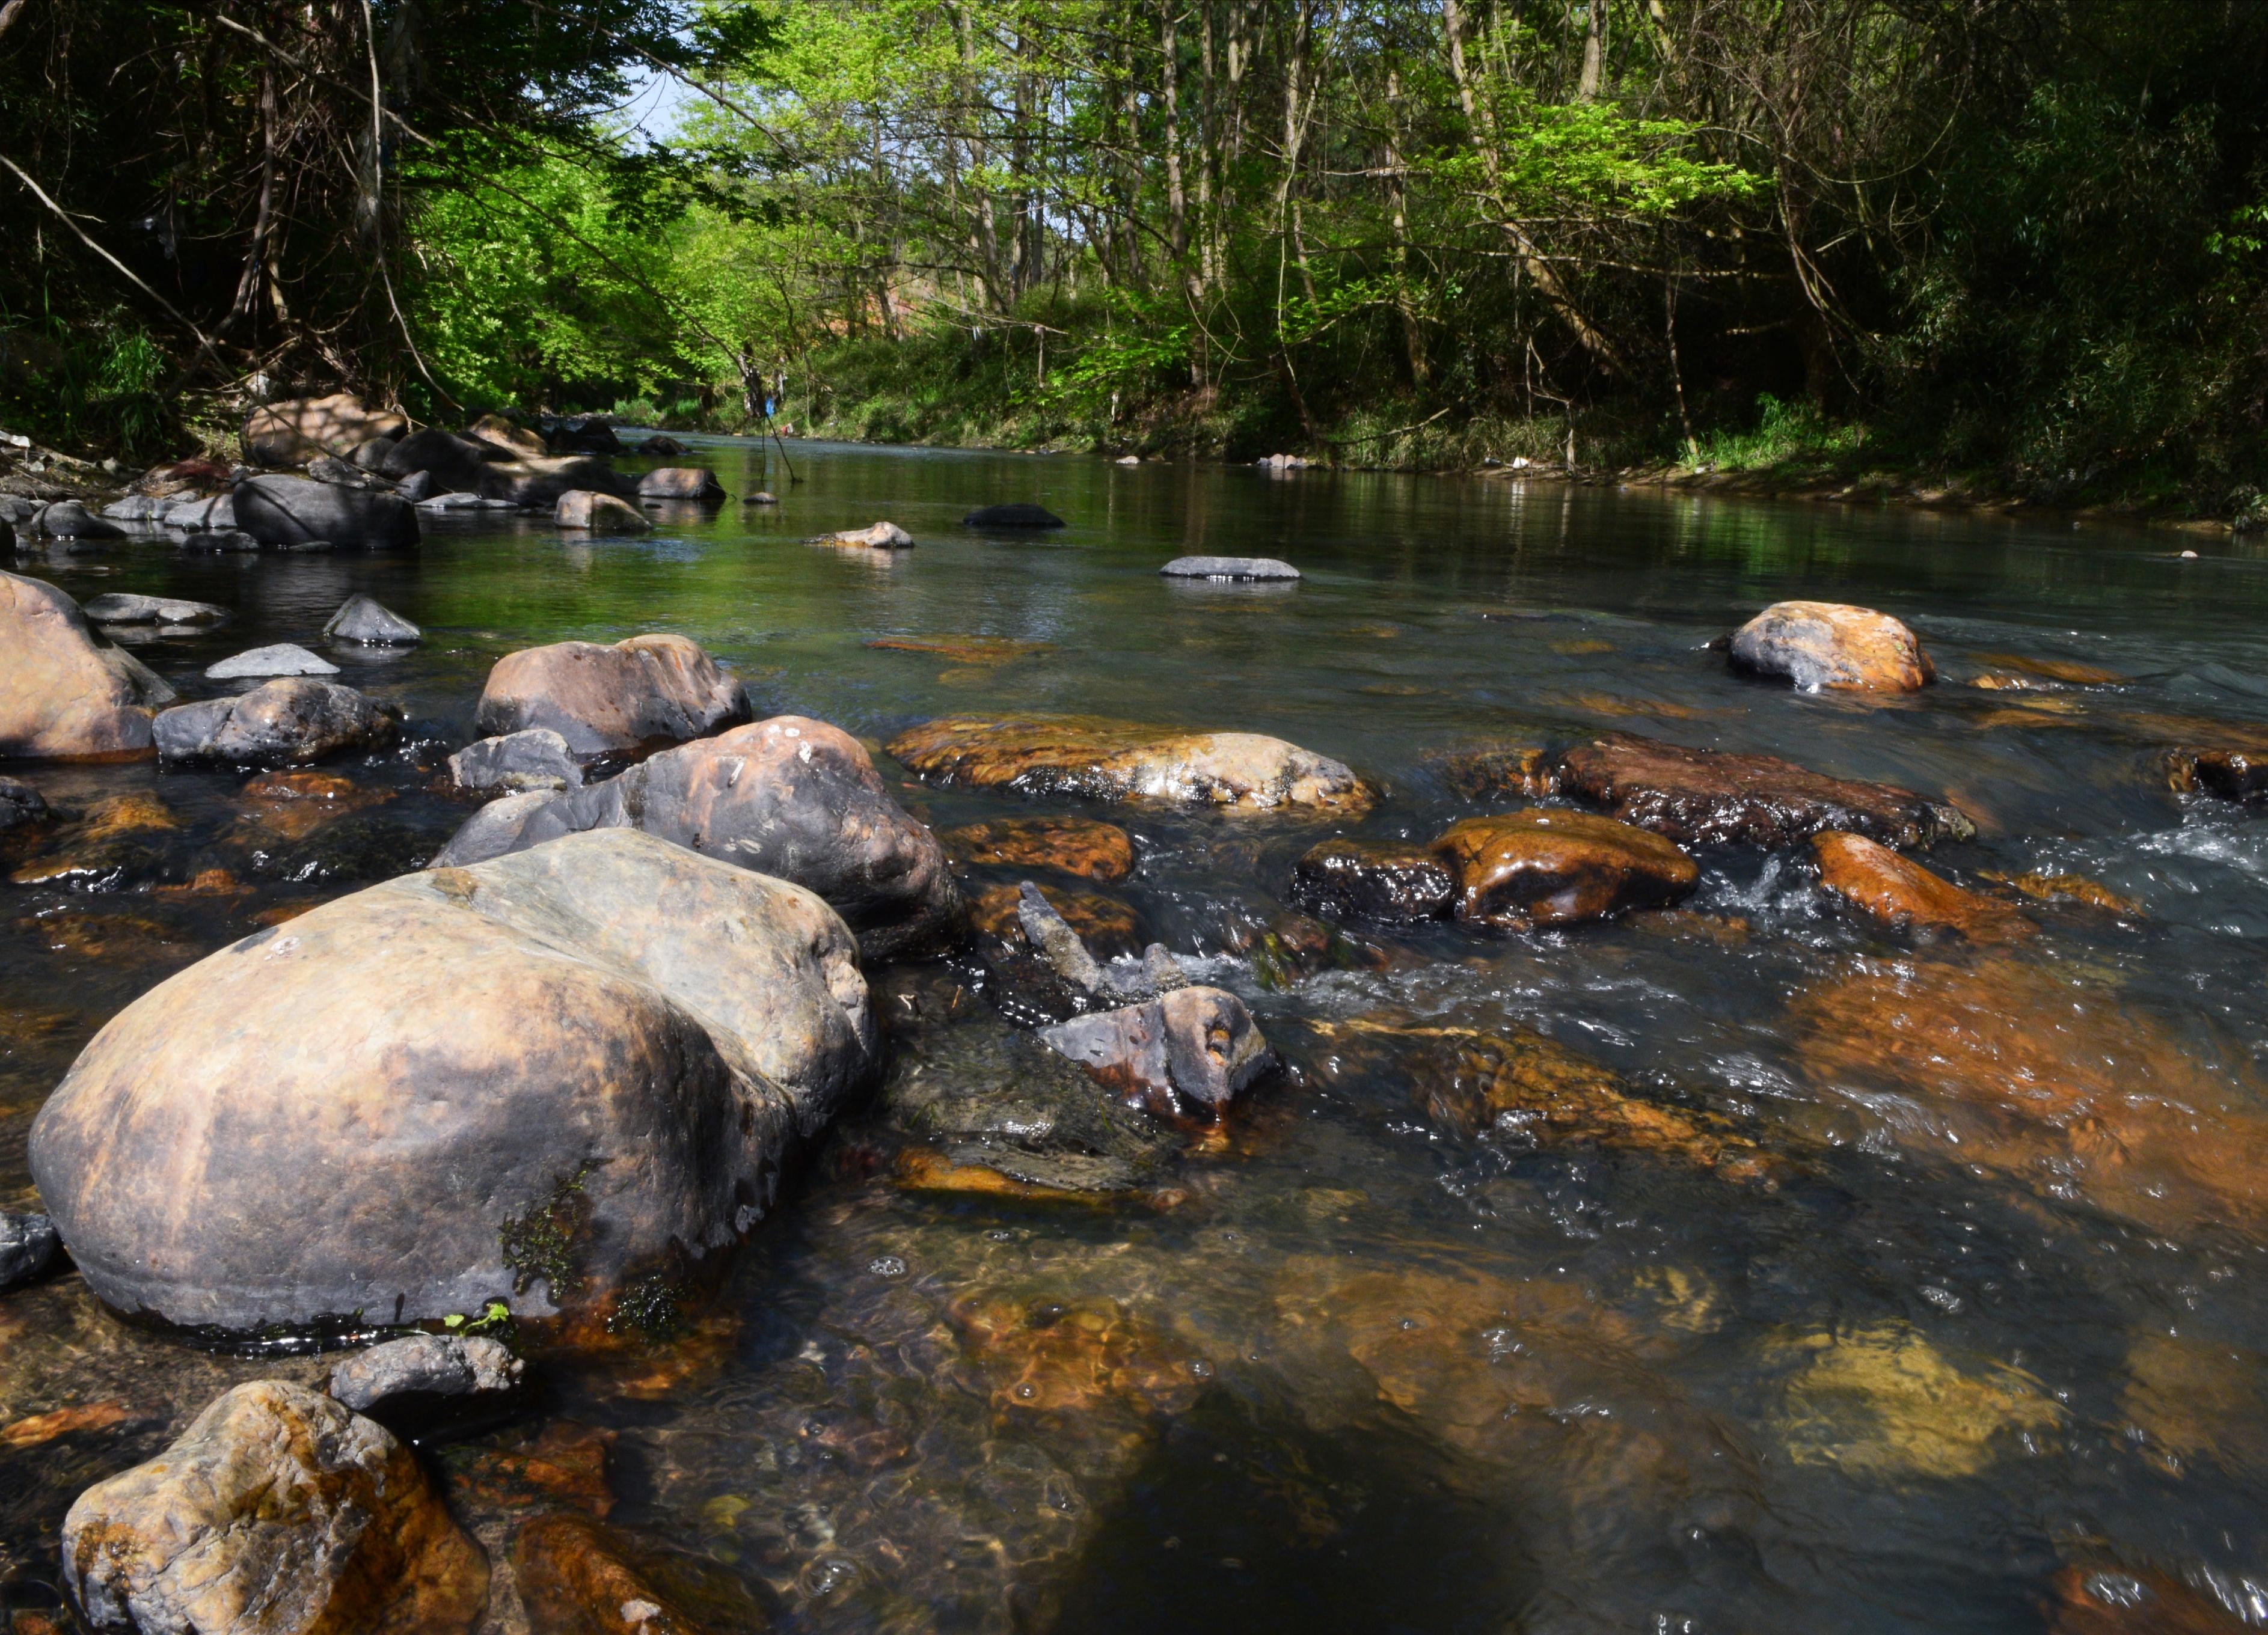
(1739, 1267)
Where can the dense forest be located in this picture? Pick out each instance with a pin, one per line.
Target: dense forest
(2022, 241)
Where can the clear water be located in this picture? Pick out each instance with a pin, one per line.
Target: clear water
(1935, 1280)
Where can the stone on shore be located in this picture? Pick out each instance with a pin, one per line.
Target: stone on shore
(278, 1511)
(290, 721)
(583, 507)
(421, 1380)
(516, 441)
(280, 658)
(1018, 514)
(294, 510)
(1902, 895)
(1228, 568)
(1110, 761)
(546, 1080)
(697, 483)
(1549, 867)
(28, 1247)
(1075, 845)
(370, 453)
(789, 797)
(361, 619)
(1714, 797)
(293, 433)
(126, 608)
(63, 696)
(880, 537)
(533, 759)
(1383, 880)
(1187, 1053)
(647, 689)
(1827, 645)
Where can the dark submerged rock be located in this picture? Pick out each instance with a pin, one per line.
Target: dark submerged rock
(599, 699)
(1714, 797)
(1020, 514)
(21, 805)
(290, 721)
(1228, 568)
(28, 1247)
(661, 444)
(2230, 774)
(360, 618)
(294, 510)
(1387, 881)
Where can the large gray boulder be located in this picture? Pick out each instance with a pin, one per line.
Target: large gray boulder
(290, 721)
(277, 1513)
(293, 510)
(695, 483)
(789, 797)
(648, 689)
(541, 1080)
(65, 696)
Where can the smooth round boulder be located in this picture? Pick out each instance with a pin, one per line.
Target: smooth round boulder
(651, 688)
(586, 508)
(1019, 515)
(370, 453)
(290, 721)
(294, 432)
(296, 511)
(1828, 645)
(280, 658)
(1112, 761)
(127, 608)
(541, 1080)
(1550, 867)
(278, 1511)
(695, 483)
(69, 519)
(1383, 880)
(1228, 568)
(790, 796)
(362, 619)
(65, 696)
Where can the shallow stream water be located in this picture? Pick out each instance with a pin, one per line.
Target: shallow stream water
(1912, 1285)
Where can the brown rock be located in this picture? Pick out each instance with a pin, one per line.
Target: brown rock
(1186, 1053)
(277, 1513)
(563, 1464)
(292, 806)
(65, 696)
(1826, 644)
(1109, 760)
(512, 439)
(2043, 888)
(581, 507)
(1904, 896)
(2232, 774)
(1542, 867)
(1383, 880)
(293, 433)
(2069, 671)
(119, 836)
(579, 1578)
(40, 1428)
(925, 1169)
(697, 483)
(648, 688)
(2109, 1599)
(1075, 845)
(964, 649)
(1712, 797)
(1052, 1359)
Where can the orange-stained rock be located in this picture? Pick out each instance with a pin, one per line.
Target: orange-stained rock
(64, 695)
(2110, 1600)
(1712, 797)
(925, 1169)
(1827, 644)
(1111, 760)
(277, 1513)
(2196, 1401)
(585, 508)
(2057, 1082)
(1105, 923)
(1045, 1357)
(2044, 888)
(965, 649)
(204, 882)
(644, 689)
(121, 937)
(563, 1464)
(1546, 867)
(293, 433)
(1076, 846)
(45, 1428)
(1494, 770)
(577, 1578)
(293, 804)
(118, 836)
(2232, 774)
(2069, 671)
(1904, 896)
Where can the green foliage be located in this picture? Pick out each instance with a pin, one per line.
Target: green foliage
(545, 1243)
(1784, 432)
(652, 1307)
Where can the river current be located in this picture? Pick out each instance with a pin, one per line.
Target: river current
(1910, 1284)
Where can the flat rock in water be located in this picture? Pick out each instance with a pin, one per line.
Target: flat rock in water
(406, 1384)
(1109, 760)
(880, 537)
(63, 695)
(585, 508)
(790, 796)
(695, 483)
(1549, 867)
(1828, 645)
(542, 1079)
(1714, 797)
(1383, 880)
(535, 758)
(1019, 515)
(290, 721)
(1186, 1053)
(1904, 896)
(28, 1246)
(277, 1510)
(359, 619)
(1086, 847)
(126, 608)
(293, 510)
(622, 697)
(1228, 568)
(281, 658)
(760, 497)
